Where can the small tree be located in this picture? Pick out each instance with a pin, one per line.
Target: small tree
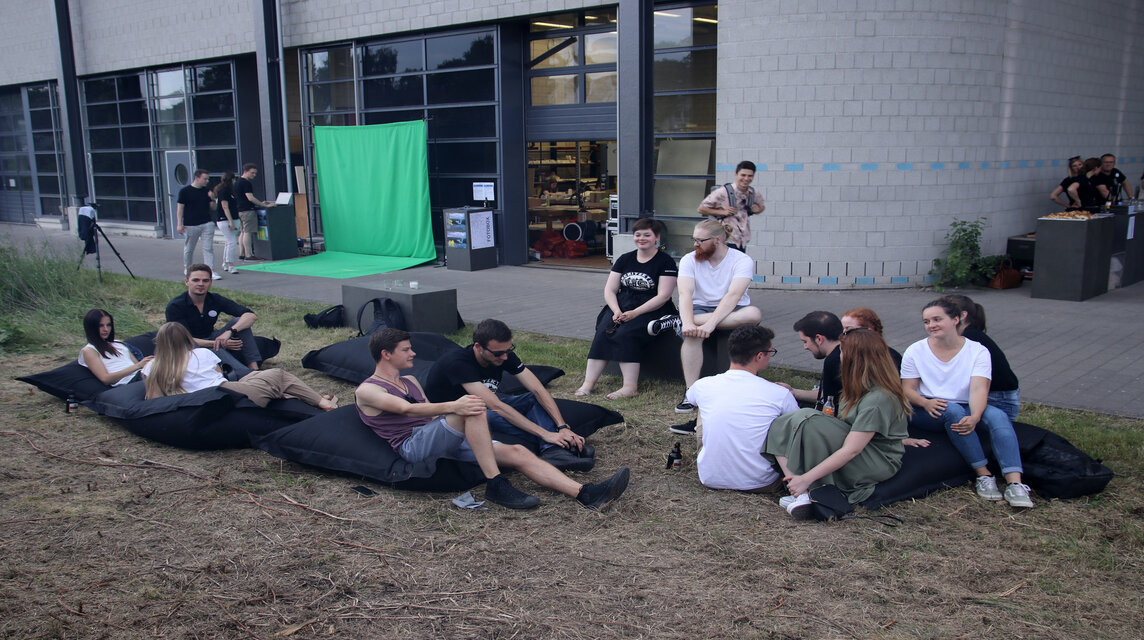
(962, 263)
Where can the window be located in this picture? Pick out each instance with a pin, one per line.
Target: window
(572, 58)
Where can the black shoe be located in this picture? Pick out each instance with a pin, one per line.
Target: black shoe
(687, 428)
(595, 496)
(656, 327)
(566, 460)
(501, 491)
(684, 406)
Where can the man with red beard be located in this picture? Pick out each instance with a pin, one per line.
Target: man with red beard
(713, 281)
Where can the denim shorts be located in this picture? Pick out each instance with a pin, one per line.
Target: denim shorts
(434, 440)
(702, 308)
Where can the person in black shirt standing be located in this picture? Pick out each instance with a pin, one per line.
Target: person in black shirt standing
(194, 215)
(248, 207)
(1110, 182)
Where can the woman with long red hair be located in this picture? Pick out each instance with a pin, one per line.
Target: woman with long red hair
(860, 447)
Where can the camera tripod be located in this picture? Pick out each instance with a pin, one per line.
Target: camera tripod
(93, 238)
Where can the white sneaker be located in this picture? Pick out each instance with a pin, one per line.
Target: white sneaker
(1017, 494)
(216, 276)
(798, 507)
(987, 489)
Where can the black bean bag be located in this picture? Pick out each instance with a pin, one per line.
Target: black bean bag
(924, 471)
(338, 441)
(70, 380)
(349, 360)
(208, 419)
(145, 342)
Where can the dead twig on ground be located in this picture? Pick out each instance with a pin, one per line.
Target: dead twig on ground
(147, 464)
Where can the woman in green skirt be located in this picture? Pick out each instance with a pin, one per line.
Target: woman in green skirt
(856, 450)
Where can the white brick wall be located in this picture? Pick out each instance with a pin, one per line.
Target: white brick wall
(27, 42)
(934, 83)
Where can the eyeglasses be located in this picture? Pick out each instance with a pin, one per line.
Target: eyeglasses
(497, 354)
(700, 240)
(770, 352)
(855, 329)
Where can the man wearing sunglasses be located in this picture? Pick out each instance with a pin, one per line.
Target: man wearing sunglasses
(733, 203)
(532, 417)
(395, 408)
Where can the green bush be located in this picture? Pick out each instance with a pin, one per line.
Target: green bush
(963, 263)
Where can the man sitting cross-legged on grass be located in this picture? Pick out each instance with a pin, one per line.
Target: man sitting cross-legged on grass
(394, 406)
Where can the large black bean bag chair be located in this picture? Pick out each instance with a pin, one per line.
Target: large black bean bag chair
(71, 380)
(349, 360)
(208, 419)
(924, 470)
(339, 441)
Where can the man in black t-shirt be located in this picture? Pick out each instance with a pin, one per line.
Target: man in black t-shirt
(198, 309)
(820, 332)
(532, 417)
(248, 207)
(194, 218)
(1110, 182)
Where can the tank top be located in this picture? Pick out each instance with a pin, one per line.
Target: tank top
(395, 428)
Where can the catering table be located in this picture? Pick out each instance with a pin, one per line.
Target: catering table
(1072, 257)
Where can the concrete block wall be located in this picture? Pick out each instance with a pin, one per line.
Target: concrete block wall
(28, 44)
(308, 22)
(877, 123)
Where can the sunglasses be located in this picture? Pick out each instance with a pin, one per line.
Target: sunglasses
(497, 354)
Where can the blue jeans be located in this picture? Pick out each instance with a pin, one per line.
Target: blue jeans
(528, 407)
(994, 422)
(1007, 401)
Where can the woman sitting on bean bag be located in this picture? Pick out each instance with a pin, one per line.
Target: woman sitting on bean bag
(638, 291)
(856, 450)
(946, 377)
(108, 359)
(1004, 388)
(181, 367)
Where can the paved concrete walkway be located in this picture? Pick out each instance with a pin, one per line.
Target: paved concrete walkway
(1083, 355)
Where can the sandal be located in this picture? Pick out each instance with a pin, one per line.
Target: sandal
(616, 395)
(580, 393)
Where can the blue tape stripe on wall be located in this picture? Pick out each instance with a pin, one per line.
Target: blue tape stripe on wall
(933, 166)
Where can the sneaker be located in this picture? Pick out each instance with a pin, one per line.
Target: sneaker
(595, 496)
(685, 407)
(1017, 495)
(566, 460)
(987, 489)
(656, 327)
(687, 428)
(798, 507)
(216, 276)
(501, 491)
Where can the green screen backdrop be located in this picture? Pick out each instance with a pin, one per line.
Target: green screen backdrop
(373, 185)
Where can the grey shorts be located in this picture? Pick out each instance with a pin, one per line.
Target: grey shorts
(702, 308)
(434, 440)
(249, 221)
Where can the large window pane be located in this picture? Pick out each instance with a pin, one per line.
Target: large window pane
(44, 141)
(41, 119)
(214, 134)
(136, 138)
(140, 186)
(462, 86)
(686, 27)
(392, 92)
(464, 157)
(683, 71)
(107, 162)
(133, 112)
(39, 97)
(215, 77)
(556, 52)
(679, 196)
(170, 83)
(685, 114)
(137, 162)
(112, 209)
(130, 87)
(600, 87)
(104, 138)
(142, 211)
(99, 90)
(336, 96)
(548, 90)
(48, 184)
(600, 48)
(172, 136)
(172, 110)
(99, 115)
(463, 122)
(46, 162)
(466, 50)
(217, 160)
(333, 119)
(396, 57)
(331, 64)
(109, 186)
(214, 105)
(548, 23)
(600, 16)
(385, 117)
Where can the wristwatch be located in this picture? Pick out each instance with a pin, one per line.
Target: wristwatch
(563, 426)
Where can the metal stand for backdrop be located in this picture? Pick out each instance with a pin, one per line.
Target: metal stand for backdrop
(93, 234)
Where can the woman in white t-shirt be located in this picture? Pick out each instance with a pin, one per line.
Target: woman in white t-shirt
(181, 367)
(108, 359)
(946, 377)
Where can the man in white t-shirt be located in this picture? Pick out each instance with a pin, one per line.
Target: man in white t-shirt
(735, 413)
(713, 281)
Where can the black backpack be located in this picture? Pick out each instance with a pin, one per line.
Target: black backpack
(386, 314)
(331, 317)
(731, 195)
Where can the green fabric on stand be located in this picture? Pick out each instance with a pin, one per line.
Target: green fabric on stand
(335, 264)
(373, 185)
